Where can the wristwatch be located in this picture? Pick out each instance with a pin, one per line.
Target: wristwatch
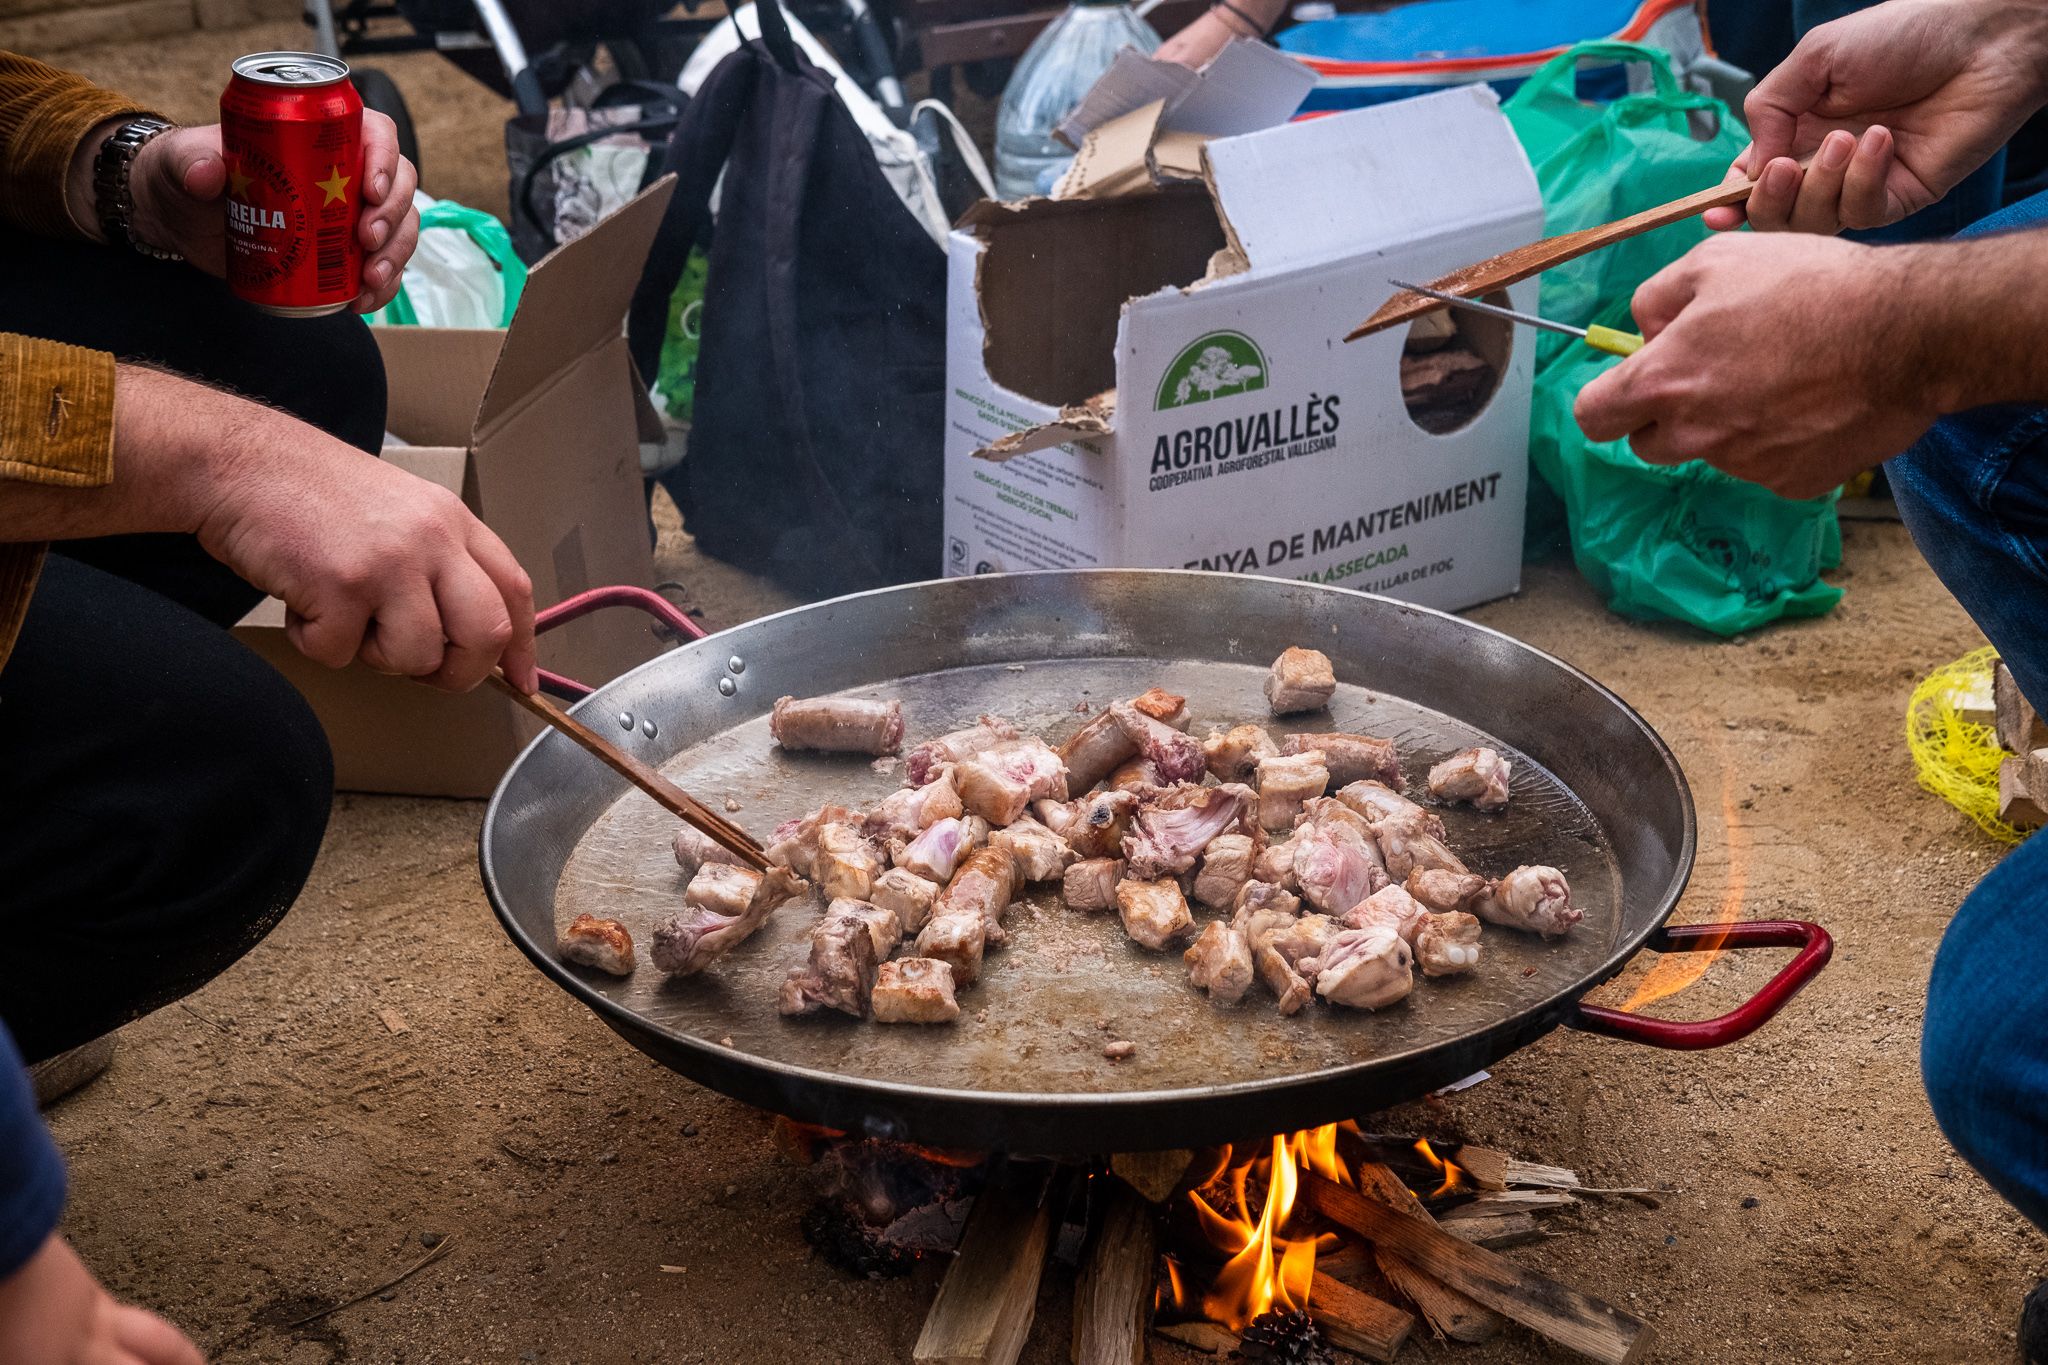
(112, 198)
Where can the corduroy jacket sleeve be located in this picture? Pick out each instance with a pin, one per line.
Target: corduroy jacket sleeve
(44, 114)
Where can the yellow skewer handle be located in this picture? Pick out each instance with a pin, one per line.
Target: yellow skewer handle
(1613, 340)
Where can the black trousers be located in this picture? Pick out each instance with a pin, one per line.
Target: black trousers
(163, 791)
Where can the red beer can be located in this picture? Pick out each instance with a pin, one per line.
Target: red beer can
(291, 126)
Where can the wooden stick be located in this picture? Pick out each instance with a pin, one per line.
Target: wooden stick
(1353, 1320)
(983, 1310)
(1574, 1320)
(1494, 1230)
(665, 793)
(1448, 1312)
(1113, 1298)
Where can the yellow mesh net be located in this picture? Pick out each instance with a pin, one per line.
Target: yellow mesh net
(1958, 758)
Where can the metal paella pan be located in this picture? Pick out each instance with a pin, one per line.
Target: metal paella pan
(1595, 793)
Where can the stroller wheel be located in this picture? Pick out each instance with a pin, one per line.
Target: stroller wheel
(379, 92)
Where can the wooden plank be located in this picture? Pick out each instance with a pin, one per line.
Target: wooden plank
(1558, 1312)
(1494, 1230)
(2016, 805)
(1113, 1298)
(1156, 1175)
(1353, 1320)
(983, 1310)
(1448, 1312)
(2020, 729)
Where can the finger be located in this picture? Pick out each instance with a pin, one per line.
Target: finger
(1652, 446)
(1865, 203)
(380, 156)
(1730, 216)
(1612, 406)
(379, 222)
(1660, 299)
(476, 621)
(1792, 88)
(405, 636)
(151, 1339)
(383, 272)
(1818, 208)
(329, 632)
(512, 582)
(194, 162)
(1770, 204)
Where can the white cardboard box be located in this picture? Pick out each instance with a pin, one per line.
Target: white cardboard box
(1159, 379)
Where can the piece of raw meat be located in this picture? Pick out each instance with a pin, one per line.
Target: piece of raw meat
(882, 925)
(1448, 944)
(1095, 750)
(687, 943)
(907, 895)
(934, 854)
(1226, 866)
(922, 763)
(1446, 892)
(1407, 844)
(1285, 783)
(1233, 755)
(958, 940)
(1301, 680)
(986, 881)
(838, 724)
(1166, 707)
(1366, 969)
(794, 844)
(601, 943)
(838, 975)
(1262, 898)
(1335, 866)
(694, 848)
(1172, 827)
(1394, 908)
(1137, 774)
(1275, 864)
(1176, 755)
(1000, 783)
(1041, 855)
(1093, 825)
(1154, 912)
(1091, 884)
(1220, 962)
(1288, 985)
(1478, 776)
(908, 811)
(1376, 801)
(1536, 899)
(1304, 941)
(915, 990)
(847, 862)
(722, 888)
(1350, 758)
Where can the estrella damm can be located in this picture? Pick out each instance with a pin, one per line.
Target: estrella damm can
(291, 129)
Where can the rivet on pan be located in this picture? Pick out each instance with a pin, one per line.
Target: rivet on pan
(736, 664)
(625, 720)
(726, 687)
(649, 728)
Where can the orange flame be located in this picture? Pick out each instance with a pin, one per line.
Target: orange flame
(1266, 1269)
(1675, 971)
(1451, 1175)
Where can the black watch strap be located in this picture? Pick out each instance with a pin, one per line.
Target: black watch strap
(113, 200)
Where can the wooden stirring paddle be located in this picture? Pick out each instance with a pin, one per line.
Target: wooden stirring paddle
(666, 793)
(1511, 267)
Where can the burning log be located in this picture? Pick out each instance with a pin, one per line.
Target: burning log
(1448, 1312)
(983, 1310)
(1353, 1320)
(1205, 1337)
(1114, 1295)
(1574, 1320)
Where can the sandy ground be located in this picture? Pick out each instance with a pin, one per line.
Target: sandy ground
(386, 1070)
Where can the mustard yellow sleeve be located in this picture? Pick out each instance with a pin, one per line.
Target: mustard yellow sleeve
(44, 114)
(56, 413)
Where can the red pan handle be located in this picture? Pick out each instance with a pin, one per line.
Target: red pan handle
(584, 603)
(1815, 947)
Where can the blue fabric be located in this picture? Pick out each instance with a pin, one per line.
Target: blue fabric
(1974, 493)
(1438, 30)
(31, 1172)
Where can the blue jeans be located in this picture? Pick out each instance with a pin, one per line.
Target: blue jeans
(1974, 493)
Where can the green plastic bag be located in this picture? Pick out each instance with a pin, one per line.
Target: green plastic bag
(675, 379)
(1687, 543)
(451, 283)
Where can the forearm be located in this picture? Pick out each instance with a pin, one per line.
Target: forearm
(1209, 32)
(1975, 331)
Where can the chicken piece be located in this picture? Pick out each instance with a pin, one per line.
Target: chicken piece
(1285, 783)
(794, 844)
(983, 886)
(882, 925)
(600, 943)
(838, 975)
(1304, 941)
(838, 724)
(1041, 855)
(1478, 776)
(1220, 962)
(1301, 680)
(909, 811)
(1366, 969)
(958, 940)
(906, 895)
(1376, 801)
(1233, 755)
(1394, 908)
(1406, 844)
(1177, 756)
(694, 848)
(934, 854)
(847, 862)
(1166, 707)
(1091, 884)
(1000, 783)
(1173, 827)
(922, 764)
(1095, 750)
(1275, 864)
(1536, 899)
(1261, 898)
(915, 990)
(1093, 825)
(1226, 867)
(1448, 944)
(1350, 758)
(1447, 892)
(1137, 775)
(687, 943)
(1292, 990)
(1154, 913)
(1335, 865)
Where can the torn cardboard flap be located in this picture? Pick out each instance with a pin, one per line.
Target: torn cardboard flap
(1089, 419)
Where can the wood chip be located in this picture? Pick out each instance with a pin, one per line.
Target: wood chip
(393, 1020)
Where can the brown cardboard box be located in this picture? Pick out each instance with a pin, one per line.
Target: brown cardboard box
(538, 426)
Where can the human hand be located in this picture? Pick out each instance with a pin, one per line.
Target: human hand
(53, 1312)
(179, 177)
(1899, 102)
(1787, 361)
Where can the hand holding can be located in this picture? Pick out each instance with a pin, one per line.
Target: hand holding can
(292, 137)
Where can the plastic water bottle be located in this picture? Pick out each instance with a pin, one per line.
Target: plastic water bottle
(1050, 79)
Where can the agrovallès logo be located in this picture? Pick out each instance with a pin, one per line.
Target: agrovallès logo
(1215, 366)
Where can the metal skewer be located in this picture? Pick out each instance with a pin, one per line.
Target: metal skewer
(1612, 340)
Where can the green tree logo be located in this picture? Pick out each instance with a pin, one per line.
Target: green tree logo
(1220, 364)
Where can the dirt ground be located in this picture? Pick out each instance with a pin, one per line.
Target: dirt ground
(386, 1070)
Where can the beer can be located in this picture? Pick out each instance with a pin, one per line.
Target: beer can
(291, 128)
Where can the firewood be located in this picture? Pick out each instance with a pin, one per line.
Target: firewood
(2016, 805)
(1113, 1298)
(2020, 730)
(1353, 1320)
(1495, 1170)
(1205, 1337)
(1574, 1320)
(982, 1312)
(1522, 1199)
(1493, 1230)
(1448, 1312)
(1156, 1175)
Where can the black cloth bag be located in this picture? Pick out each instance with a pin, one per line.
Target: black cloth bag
(815, 455)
